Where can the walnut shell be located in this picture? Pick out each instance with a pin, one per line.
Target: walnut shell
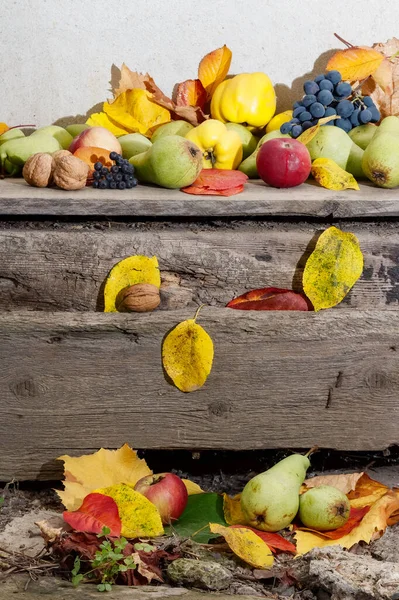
(142, 297)
(60, 154)
(38, 169)
(70, 172)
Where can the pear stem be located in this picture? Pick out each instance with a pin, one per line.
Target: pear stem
(312, 451)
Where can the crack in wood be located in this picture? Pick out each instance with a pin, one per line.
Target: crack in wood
(338, 384)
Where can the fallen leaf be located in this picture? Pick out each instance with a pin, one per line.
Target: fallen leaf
(345, 482)
(269, 299)
(246, 545)
(383, 76)
(48, 532)
(127, 272)
(355, 63)
(275, 541)
(356, 515)
(139, 516)
(101, 119)
(192, 114)
(190, 93)
(203, 191)
(187, 355)
(3, 128)
(366, 492)
(84, 544)
(333, 268)
(192, 488)
(83, 474)
(130, 80)
(232, 510)
(331, 176)
(145, 570)
(201, 509)
(134, 111)
(96, 512)
(383, 86)
(308, 135)
(220, 179)
(214, 68)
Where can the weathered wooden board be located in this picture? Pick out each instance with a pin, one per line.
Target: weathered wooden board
(71, 383)
(17, 198)
(63, 269)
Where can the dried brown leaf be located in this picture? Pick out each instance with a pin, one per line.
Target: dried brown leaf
(130, 80)
(383, 86)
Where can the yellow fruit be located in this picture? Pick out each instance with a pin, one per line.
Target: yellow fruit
(278, 120)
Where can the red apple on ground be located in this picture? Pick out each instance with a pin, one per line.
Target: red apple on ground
(283, 163)
(100, 137)
(167, 491)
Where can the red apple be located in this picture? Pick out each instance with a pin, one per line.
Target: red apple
(100, 137)
(283, 163)
(167, 491)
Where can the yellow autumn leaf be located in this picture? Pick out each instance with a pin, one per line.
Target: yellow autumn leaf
(308, 135)
(331, 176)
(134, 111)
(366, 492)
(102, 120)
(83, 474)
(371, 527)
(129, 271)
(139, 516)
(246, 545)
(187, 355)
(192, 488)
(3, 128)
(355, 63)
(333, 268)
(233, 514)
(214, 68)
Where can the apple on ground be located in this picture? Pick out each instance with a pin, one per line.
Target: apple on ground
(167, 491)
(283, 162)
(98, 137)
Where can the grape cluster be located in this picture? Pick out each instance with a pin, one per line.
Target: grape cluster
(118, 177)
(328, 95)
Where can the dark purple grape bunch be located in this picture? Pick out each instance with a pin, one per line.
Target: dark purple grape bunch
(328, 95)
(118, 177)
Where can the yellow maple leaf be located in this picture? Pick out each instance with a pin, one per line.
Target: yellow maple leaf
(187, 355)
(233, 514)
(246, 545)
(213, 68)
(333, 268)
(129, 271)
(331, 176)
(102, 120)
(83, 474)
(134, 111)
(355, 63)
(139, 516)
(192, 488)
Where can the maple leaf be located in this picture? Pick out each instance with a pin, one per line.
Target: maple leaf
(383, 86)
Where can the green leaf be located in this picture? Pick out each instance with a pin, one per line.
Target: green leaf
(76, 579)
(108, 587)
(101, 587)
(1, 501)
(104, 531)
(76, 566)
(201, 510)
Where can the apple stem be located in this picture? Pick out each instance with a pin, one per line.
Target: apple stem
(198, 311)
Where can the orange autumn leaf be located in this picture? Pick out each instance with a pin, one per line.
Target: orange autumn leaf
(190, 93)
(233, 514)
(367, 492)
(355, 63)
(3, 128)
(214, 68)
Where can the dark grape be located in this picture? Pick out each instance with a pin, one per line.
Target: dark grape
(325, 97)
(306, 125)
(125, 169)
(295, 121)
(118, 177)
(103, 184)
(134, 182)
(95, 184)
(310, 87)
(96, 175)
(317, 110)
(345, 108)
(114, 155)
(296, 131)
(98, 166)
(330, 111)
(334, 76)
(286, 127)
(365, 116)
(114, 169)
(113, 185)
(318, 79)
(298, 111)
(305, 116)
(297, 104)
(343, 90)
(308, 100)
(109, 177)
(326, 85)
(368, 101)
(375, 114)
(354, 119)
(104, 171)
(129, 185)
(344, 124)
(121, 185)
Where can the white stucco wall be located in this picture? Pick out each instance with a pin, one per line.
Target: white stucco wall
(56, 55)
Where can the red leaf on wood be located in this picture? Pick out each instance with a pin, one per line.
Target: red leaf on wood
(96, 512)
(275, 541)
(269, 299)
(203, 191)
(190, 93)
(217, 182)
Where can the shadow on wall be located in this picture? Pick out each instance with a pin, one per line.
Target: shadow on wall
(286, 96)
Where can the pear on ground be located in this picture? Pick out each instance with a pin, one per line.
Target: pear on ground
(76, 128)
(248, 166)
(17, 151)
(171, 162)
(11, 134)
(133, 143)
(381, 157)
(334, 143)
(179, 127)
(249, 140)
(363, 134)
(59, 133)
(270, 500)
(324, 508)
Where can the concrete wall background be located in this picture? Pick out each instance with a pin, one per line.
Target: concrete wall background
(57, 54)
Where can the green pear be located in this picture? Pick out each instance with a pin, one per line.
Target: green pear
(171, 162)
(324, 508)
(248, 166)
(363, 134)
(11, 134)
(76, 128)
(133, 143)
(334, 143)
(172, 128)
(59, 133)
(381, 157)
(17, 151)
(12, 170)
(249, 140)
(270, 500)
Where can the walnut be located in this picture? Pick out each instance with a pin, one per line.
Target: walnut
(60, 153)
(38, 170)
(70, 172)
(142, 297)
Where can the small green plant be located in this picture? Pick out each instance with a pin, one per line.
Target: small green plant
(1, 501)
(108, 560)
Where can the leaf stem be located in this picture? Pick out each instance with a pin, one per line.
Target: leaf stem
(198, 311)
(344, 41)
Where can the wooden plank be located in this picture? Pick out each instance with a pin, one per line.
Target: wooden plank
(71, 383)
(63, 269)
(308, 200)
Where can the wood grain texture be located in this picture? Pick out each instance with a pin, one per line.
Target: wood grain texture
(63, 269)
(17, 198)
(71, 383)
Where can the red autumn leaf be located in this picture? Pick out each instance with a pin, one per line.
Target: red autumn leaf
(269, 299)
(96, 512)
(190, 93)
(204, 191)
(220, 179)
(355, 516)
(275, 541)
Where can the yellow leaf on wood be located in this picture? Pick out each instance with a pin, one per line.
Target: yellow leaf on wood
(134, 111)
(355, 63)
(129, 271)
(345, 482)
(331, 176)
(83, 474)
(233, 514)
(333, 268)
(214, 68)
(192, 488)
(246, 545)
(102, 120)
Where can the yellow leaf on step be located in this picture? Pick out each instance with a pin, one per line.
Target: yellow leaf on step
(355, 63)
(333, 268)
(330, 175)
(187, 355)
(134, 111)
(233, 514)
(246, 545)
(129, 271)
(83, 474)
(102, 120)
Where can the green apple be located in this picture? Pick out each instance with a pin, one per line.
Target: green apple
(133, 143)
(249, 141)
